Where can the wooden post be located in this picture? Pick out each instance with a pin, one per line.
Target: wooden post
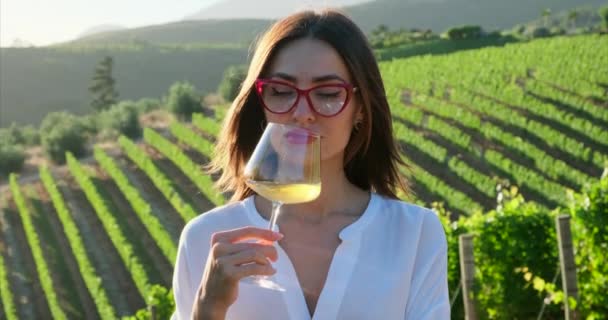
(566, 261)
(152, 309)
(467, 275)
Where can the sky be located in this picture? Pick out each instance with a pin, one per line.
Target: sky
(43, 22)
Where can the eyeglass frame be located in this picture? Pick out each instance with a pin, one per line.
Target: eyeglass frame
(259, 83)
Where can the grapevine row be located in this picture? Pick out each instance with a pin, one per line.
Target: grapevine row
(10, 312)
(87, 270)
(159, 179)
(182, 161)
(42, 269)
(111, 226)
(139, 205)
(210, 126)
(554, 168)
(189, 137)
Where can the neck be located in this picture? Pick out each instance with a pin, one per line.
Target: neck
(338, 197)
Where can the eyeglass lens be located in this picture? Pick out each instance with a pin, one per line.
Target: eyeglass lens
(326, 100)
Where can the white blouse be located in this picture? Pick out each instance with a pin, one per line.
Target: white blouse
(391, 264)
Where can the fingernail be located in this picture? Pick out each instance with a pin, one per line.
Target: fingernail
(278, 235)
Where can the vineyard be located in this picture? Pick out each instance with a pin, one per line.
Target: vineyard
(97, 238)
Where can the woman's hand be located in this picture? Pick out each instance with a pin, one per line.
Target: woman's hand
(230, 260)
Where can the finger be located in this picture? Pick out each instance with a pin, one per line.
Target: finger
(254, 269)
(221, 249)
(245, 233)
(248, 256)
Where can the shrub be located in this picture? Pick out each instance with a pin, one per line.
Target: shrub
(517, 236)
(7, 136)
(183, 100)
(30, 136)
(61, 132)
(589, 223)
(537, 32)
(464, 32)
(15, 134)
(519, 29)
(121, 118)
(521, 236)
(231, 82)
(147, 104)
(163, 301)
(557, 31)
(11, 158)
(89, 124)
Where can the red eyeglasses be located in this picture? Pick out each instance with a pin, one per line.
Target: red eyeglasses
(326, 100)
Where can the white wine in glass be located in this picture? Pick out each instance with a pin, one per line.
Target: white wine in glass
(285, 169)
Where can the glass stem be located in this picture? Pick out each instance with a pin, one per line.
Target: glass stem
(276, 206)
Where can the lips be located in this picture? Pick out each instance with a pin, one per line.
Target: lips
(298, 136)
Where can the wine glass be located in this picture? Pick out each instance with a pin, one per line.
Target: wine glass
(285, 169)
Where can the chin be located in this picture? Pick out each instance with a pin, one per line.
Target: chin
(332, 157)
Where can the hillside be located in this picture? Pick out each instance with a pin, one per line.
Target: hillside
(269, 9)
(439, 16)
(522, 115)
(149, 59)
(212, 31)
(29, 76)
(99, 29)
(435, 15)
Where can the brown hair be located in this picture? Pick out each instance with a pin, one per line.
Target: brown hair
(371, 156)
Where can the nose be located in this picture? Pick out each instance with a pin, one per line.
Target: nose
(303, 113)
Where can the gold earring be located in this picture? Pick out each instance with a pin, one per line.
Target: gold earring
(357, 125)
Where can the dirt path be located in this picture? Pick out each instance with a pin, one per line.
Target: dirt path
(161, 208)
(116, 279)
(202, 133)
(30, 300)
(186, 188)
(441, 170)
(74, 296)
(157, 266)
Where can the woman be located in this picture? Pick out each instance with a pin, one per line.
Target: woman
(356, 252)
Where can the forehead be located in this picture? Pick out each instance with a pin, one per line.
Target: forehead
(308, 58)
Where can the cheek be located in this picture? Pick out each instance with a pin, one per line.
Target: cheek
(336, 139)
(277, 118)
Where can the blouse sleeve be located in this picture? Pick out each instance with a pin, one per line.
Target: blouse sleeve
(182, 284)
(428, 297)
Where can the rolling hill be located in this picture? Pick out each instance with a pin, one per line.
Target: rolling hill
(269, 9)
(435, 15)
(149, 59)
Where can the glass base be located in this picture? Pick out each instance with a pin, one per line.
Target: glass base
(264, 282)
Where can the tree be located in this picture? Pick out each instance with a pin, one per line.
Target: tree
(231, 82)
(604, 15)
(380, 29)
(183, 100)
(102, 89)
(572, 16)
(546, 14)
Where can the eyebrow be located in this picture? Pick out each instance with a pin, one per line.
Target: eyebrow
(314, 79)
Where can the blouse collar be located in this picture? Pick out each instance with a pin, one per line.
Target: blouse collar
(350, 232)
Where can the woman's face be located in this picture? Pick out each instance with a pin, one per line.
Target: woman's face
(306, 63)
